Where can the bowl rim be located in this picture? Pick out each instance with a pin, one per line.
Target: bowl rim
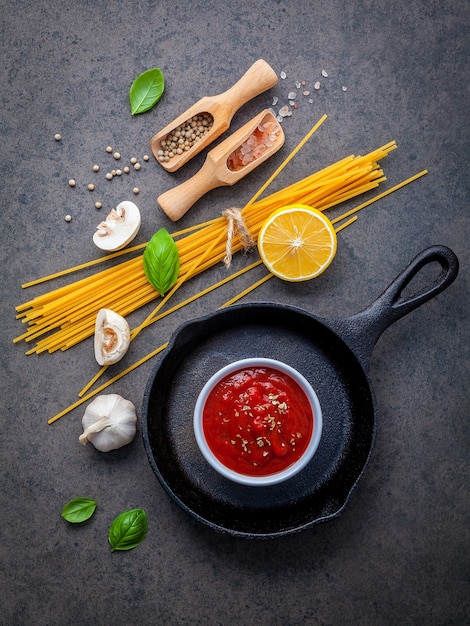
(269, 479)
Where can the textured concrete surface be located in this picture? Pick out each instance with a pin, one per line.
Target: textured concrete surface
(399, 553)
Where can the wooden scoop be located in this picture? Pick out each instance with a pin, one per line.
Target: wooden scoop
(222, 108)
(216, 171)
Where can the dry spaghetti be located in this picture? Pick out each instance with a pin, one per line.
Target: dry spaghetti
(65, 316)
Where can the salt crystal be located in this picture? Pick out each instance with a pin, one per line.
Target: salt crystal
(306, 93)
(283, 75)
(291, 95)
(324, 73)
(317, 85)
(310, 100)
(344, 88)
(275, 101)
(285, 111)
(297, 84)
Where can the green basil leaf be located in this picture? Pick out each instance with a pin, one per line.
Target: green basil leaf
(78, 510)
(146, 90)
(161, 261)
(128, 530)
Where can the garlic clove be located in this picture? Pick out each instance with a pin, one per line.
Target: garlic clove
(112, 337)
(120, 227)
(109, 422)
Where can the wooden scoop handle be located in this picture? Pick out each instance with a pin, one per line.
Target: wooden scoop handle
(176, 202)
(257, 79)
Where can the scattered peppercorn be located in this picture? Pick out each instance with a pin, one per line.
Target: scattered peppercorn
(133, 160)
(68, 218)
(117, 156)
(137, 166)
(146, 157)
(91, 187)
(109, 149)
(118, 172)
(136, 190)
(109, 176)
(98, 205)
(72, 182)
(57, 137)
(96, 168)
(127, 169)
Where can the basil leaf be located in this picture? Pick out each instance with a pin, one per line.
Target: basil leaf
(161, 261)
(78, 510)
(146, 90)
(128, 530)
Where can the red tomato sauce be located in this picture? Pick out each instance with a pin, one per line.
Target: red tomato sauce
(257, 421)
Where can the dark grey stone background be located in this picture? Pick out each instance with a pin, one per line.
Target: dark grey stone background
(399, 553)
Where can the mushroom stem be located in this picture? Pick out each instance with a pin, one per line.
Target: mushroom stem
(103, 228)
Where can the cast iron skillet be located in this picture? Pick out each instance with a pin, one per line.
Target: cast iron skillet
(333, 355)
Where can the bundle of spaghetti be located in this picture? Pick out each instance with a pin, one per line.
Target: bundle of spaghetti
(65, 316)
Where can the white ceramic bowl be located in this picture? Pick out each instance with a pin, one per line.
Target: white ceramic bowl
(269, 479)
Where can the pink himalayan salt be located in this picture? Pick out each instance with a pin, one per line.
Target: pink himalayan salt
(252, 148)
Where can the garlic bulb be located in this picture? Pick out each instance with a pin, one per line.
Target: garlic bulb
(109, 422)
(120, 227)
(112, 337)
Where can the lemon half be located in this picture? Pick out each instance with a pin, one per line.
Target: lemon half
(297, 243)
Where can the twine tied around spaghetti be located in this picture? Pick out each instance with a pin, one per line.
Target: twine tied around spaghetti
(236, 226)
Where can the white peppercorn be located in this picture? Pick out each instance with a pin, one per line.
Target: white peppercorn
(183, 137)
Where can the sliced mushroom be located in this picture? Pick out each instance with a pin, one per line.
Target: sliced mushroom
(112, 337)
(120, 227)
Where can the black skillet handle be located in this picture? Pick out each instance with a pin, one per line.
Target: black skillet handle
(362, 331)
